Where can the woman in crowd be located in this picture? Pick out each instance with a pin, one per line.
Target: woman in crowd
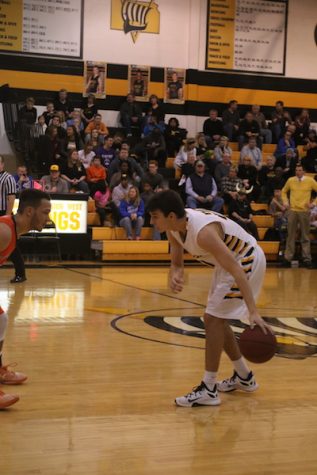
(74, 172)
(72, 141)
(188, 147)
(86, 154)
(174, 137)
(89, 109)
(132, 213)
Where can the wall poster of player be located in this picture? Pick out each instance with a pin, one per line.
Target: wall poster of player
(139, 81)
(174, 85)
(95, 79)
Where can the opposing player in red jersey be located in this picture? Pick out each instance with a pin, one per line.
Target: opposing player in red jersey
(33, 213)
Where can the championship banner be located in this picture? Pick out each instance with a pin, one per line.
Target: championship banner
(69, 216)
(247, 36)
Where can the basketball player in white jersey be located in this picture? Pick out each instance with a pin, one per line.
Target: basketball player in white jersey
(239, 270)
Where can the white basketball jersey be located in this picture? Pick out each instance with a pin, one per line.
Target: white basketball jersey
(238, 241)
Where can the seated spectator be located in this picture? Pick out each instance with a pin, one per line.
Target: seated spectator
(106, 152)
(72, 141)
(74, 172)
(89, 109)
(266, 177)
(287, 163)
(230, 184)
(302, 123)
(26, 120)
(120, 191)
(22, 179)
(248, 128)
(279, 119)
(231, 120)
(76, 121)
(187, 169)
(151, 125)
(278, 210)
(39, 128)
(122, 157)
(313, 216)
(96, 174)
(130, 114)
(152, 147)
(152, 176)
(56, 122)
(213, 128)
(118, 140)
(132, 213)
(283, 144)
(53, 183)
(96, 124)
(201, 190)
(240, 211)
(86, 154)
(49, 150)
(155, 109)
(248, 174)
(201, 145)
(174, 137)
(222, 148)
(62, 103)
(125, 169)
(265, 132)
(222, 168)
(310, 160)
(181, 157)
(96, 139)
(102, 197)
(146, 195)
(251, 150)
(49, 113)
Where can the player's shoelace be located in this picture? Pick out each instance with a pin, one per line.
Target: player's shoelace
(196, 390)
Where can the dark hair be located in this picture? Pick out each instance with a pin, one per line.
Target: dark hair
(233, 101)
(281, 103)
(167, 201)
(31, 198)
(175, 119)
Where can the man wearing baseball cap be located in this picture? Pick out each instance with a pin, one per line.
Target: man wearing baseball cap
(53, 183)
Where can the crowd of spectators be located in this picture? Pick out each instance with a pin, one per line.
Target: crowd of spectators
(72, 150)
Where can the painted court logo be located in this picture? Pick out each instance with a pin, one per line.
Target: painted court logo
(134, 17)
(296, 337)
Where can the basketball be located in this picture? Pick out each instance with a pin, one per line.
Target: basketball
(257, 347)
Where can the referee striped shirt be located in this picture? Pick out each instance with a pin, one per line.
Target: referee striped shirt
(7, 187)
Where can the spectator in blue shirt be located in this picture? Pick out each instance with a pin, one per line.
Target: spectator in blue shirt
(132, 213)
(22, 179)
(284, 143)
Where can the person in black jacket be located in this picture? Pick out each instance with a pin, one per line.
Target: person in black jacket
(213, 128)
(174, 137)
(249, 128)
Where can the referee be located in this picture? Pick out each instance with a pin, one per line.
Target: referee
(7, 197)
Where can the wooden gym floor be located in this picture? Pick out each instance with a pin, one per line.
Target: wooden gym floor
(107, 350)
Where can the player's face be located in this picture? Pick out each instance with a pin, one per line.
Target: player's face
(162, 223)
(40, 215)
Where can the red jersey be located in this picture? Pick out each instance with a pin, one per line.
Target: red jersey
(9, 221)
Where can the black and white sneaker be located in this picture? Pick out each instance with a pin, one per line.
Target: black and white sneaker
(236, 382)
(200, 396)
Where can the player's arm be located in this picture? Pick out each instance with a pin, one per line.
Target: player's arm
(176, 273)
(209, 240)
(5, 236)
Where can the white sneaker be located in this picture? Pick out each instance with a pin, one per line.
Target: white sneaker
(200, 396)
(236, 382)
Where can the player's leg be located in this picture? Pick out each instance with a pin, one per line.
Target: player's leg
(242, 377)
(7, 376)
(6, 400)
(206, 393)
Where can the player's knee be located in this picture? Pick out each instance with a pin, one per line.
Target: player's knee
(3, 324)
(210, 320)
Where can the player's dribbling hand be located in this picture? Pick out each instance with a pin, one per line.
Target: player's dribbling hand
(255, 319)
(176, 281)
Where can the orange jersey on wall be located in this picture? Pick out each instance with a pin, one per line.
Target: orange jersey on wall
(9, 221)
